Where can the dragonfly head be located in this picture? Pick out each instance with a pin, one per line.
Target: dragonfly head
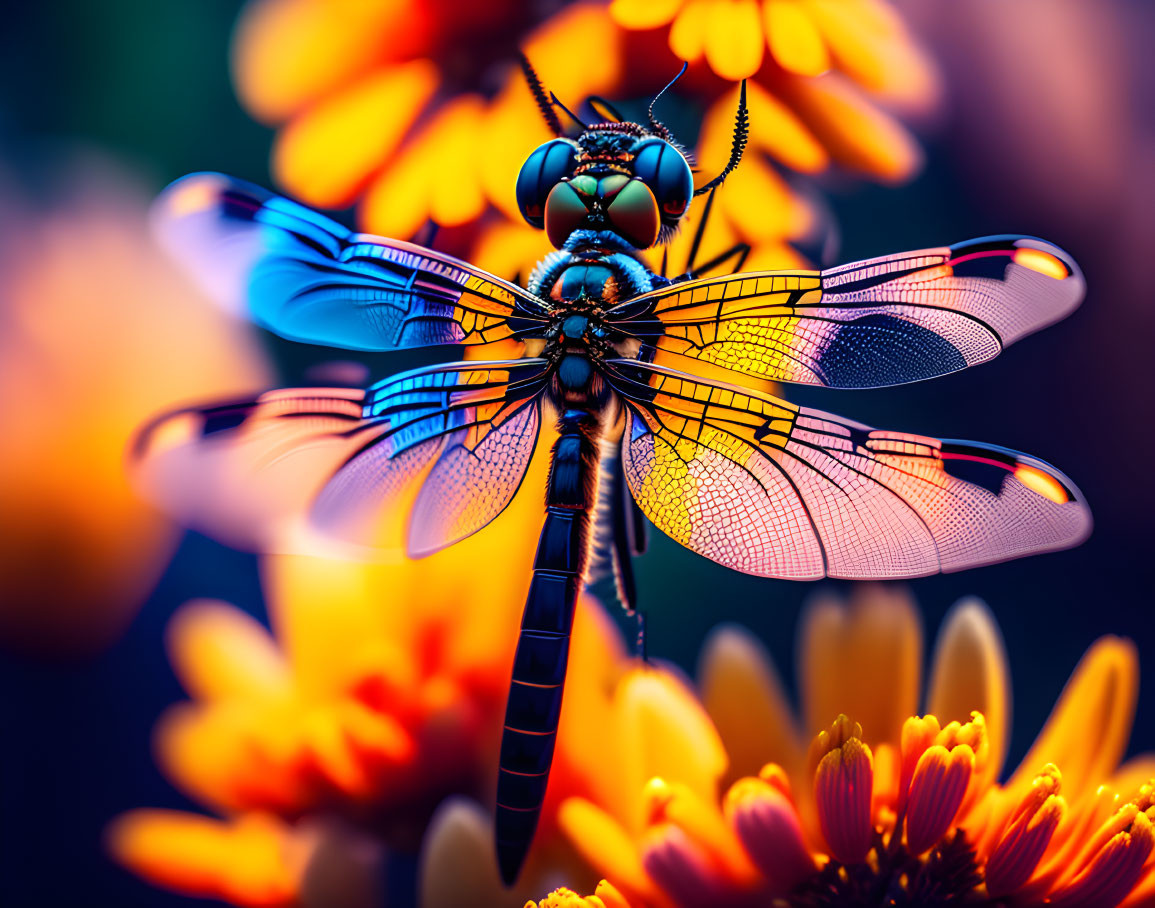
(614, 176)
(619, 176)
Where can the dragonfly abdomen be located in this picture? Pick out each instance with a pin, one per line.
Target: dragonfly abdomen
(539, 667)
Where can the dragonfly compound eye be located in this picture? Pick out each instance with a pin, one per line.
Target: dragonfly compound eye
(543, 169)
(612, 202)
(663, 169)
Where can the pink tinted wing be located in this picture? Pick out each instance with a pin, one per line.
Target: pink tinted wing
(885, 321)
(290, 469)
(246, 472)
(467, 429)
(474, 479)
(771, 489)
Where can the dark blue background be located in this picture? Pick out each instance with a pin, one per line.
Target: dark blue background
(149, 81)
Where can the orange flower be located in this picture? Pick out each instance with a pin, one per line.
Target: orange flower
(913, 805)
(379, 692)
(827, 78)
(418, 110)
(98, 333)
(605, 896)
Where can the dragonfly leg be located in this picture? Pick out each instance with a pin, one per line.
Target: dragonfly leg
(697, 241)
(640, 638)
(741, 250)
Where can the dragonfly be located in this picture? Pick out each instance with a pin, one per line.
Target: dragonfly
(625, 363)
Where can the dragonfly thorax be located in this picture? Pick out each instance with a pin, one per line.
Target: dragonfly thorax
(577, 327)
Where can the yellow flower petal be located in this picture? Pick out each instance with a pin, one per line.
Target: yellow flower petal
(607, 847)
(1087, 732)
(1136, 772)
(761, 207)
(326, 155)
(795, 42)
(640, 14)
(857, 134)
(513, 128)
(510, 249)
(574, 75)
(231, 755)
(775, 257)
(734, 42)
(743, 695)
(863, 660)
(969, 672)
(434, 177)
(323, 610)
(218, 651)
(253, 861)
(870, 44)
(289, 53)
(688, 33)
(774, 129)
(665, 732)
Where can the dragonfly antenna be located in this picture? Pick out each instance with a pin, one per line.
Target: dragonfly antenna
(741, 135)
(604, 108)
(569, 113)
(538, 92)
(657, 125)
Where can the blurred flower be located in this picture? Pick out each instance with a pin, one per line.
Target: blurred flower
(827, 78)
(614, 736)
(98, 333)
(606, 896)
(418, 110)
(379, 692)
(911, 809)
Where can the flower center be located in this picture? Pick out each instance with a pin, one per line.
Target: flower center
(891, 876)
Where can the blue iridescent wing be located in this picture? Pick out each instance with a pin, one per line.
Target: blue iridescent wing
(416, 462)
(886, 321)
(307, 278)
(769, 488)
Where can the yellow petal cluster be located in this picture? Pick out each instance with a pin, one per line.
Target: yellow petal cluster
(895, 806)
(409, 112)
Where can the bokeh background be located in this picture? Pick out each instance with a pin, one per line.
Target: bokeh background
(1046, 127)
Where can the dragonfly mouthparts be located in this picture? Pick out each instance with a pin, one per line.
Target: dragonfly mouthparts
(584, 240)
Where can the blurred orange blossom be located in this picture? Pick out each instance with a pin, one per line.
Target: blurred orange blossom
(379, 692)
(418, 110)
(913, 803)
(99, 332)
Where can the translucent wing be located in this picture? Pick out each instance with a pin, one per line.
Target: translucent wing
(768, 488)
(291, 468)
(886, 321)
(309, 279)
(474, 424)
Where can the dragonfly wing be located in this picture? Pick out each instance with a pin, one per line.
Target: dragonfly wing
(469, 429)
(886, 321)
(246, 472)
(307, 278)
(475, 477)
(294, 467)
(768, 488)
